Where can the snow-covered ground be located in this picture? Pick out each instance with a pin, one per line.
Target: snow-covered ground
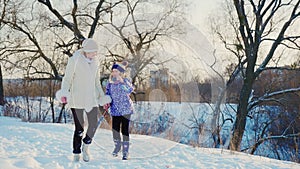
(44, 145)
(185, 122)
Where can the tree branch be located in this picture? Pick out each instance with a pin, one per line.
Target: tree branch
(278, 40)
(35, 42)
(69, 25)
(244, 25)
(96, 19)
(271, 95)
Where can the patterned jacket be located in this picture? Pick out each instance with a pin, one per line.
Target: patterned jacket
(121, 103)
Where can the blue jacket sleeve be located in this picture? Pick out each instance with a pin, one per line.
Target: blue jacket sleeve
(108, 89)
(127, 86)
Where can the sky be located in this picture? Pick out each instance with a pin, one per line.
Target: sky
(48, 146)
(199, 10)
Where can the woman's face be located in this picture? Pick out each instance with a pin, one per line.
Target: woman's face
(90, 55)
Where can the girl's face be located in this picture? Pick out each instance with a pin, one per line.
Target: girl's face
(115, 73)
(90, 55)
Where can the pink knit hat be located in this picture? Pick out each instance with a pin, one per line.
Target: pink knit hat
(89, 45)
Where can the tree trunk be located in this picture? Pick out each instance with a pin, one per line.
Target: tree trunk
(61, 113)
(1, 88)
(242, 112)
(53, 112)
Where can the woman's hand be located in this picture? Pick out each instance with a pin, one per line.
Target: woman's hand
(64, 100)
(106, 106)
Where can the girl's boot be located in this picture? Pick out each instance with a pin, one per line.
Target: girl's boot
(125, 150)
(117, 148)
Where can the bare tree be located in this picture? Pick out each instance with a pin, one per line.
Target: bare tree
(1, 76)
(262, 33)
(35, 42)
(252, 38)
(255, 29)
(40, 39)
(1, 88)
(140, 32)
(21, 48)
(79, 21)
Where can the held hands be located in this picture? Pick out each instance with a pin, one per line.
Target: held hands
(106, 106)
(62, 96)
(64, 100)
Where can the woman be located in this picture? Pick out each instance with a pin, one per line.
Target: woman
(82, 92)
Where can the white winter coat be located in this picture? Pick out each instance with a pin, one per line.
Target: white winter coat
(81, 83)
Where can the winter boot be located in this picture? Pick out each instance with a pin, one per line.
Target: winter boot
(117, 148)
(85, 152)
(125, 150)
(76, 157)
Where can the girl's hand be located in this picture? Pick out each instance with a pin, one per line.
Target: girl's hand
(120, 79)
(106, 106)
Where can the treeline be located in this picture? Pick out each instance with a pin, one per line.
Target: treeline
(269, 81)
(30, 88)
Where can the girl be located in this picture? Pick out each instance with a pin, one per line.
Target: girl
(121, 107)
(82, 92)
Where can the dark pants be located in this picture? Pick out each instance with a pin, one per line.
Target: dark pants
(119, 122)
(78, 116)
